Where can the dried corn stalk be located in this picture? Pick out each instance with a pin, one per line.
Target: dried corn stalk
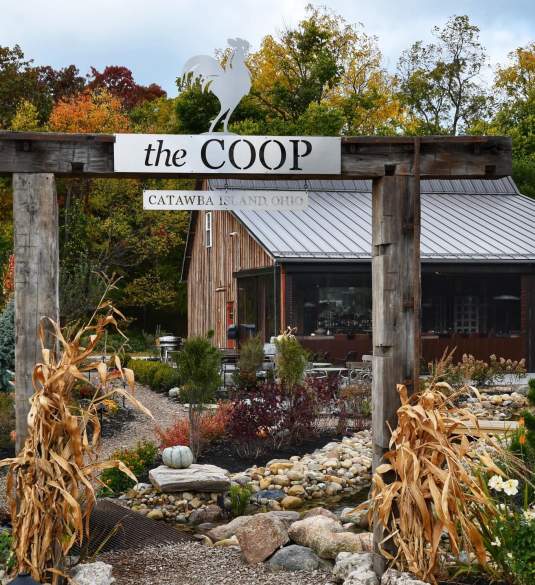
(51, 482)
(432, 483)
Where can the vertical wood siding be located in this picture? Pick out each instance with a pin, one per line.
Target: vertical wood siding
(211, 284)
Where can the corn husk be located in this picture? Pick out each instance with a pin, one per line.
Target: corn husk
(51, 483)
(432, 483)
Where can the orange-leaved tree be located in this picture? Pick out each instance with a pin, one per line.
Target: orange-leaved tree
(97, 111)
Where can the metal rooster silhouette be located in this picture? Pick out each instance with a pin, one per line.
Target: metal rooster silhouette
(228, 84)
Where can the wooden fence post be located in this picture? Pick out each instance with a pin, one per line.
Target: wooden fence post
(35, 216)
(396, 308)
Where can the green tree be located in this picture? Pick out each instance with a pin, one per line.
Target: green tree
(440, 82)
(199, 369)
(514, 87)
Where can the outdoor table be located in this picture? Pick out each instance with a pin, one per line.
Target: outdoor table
(321, 365)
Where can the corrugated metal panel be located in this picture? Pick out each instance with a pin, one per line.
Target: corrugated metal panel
(465, 186)
(471, 220)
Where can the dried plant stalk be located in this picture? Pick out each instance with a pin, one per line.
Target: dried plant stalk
(51, 481)
(432, 482)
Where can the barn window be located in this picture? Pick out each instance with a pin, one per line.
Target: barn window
(208, 230)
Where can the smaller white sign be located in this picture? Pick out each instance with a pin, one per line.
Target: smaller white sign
(224, 200)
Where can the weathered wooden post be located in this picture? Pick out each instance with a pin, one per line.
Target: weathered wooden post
(35, 213)
(396, 307)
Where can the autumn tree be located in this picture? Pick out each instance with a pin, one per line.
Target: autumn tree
(514, 88)
(97, 111)
(119, 82)
(42, 86)
(440, 82)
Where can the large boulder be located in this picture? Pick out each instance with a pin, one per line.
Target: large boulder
(355, 569)
(294, 558)
(98, 573)
(229, 529)
(260, 537)
(392, 577)
(319, 511)
(196, 478)
(327, 537)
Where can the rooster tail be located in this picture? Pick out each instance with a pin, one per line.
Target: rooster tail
(202, 68)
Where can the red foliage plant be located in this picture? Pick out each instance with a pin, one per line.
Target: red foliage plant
(213, 427)
(271, 415)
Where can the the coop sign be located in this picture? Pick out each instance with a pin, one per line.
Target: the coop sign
(227, 154)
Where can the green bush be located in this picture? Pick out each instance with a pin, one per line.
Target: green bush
(7, 344)
(7, 420)
(157, 376)
(139, 460)
(165, 377)
(7, 556)
(251, 359)
(290, 360)
(240, 496)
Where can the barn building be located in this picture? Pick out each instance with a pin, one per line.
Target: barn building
(311, 269)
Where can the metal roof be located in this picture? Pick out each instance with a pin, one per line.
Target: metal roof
(472, 220)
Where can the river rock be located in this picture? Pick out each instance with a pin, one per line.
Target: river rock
(319, 511)
(296, 490)
(156, 514)
(291, 502)
(294, 558)
(98, 573)
(355, 568)
(393, 577)
(260, 537)
(232, 541)
(326, 537)
(270, 495)
(196, 478)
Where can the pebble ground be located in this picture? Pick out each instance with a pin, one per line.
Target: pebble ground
(194, 564)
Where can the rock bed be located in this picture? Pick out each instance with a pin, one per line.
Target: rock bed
(337, 471)
(496, 405)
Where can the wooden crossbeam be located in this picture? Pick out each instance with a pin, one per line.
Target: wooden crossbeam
(364, 157)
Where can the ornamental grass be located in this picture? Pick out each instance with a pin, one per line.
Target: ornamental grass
(51, 483)
(433, 483)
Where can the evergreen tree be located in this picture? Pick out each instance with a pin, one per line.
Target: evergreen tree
(7, 344)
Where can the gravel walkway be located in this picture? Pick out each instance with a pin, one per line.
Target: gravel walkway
(164, 411)
(194, 564)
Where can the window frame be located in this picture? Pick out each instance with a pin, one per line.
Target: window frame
(208, 230)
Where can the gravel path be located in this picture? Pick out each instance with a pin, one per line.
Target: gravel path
(195, 564)
(164, 411)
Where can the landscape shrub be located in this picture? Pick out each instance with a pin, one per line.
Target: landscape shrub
(7, 420)
(157, 376)
(139, 460)
(291, 359)
(251, 359)
(473, 371)
(270, 415)
(7, 344)
(523, 440)
(165, 377)
(213, 427)
(199, 365)
(7, 556)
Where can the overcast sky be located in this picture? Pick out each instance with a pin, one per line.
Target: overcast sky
(155, 37)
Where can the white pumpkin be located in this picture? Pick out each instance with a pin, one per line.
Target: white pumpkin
(178, 457)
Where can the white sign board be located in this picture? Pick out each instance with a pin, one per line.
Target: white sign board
(227, 154)
(224, 200)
